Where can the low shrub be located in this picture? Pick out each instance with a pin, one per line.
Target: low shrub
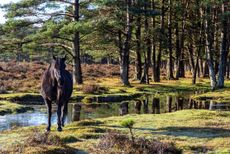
(3, 89)
(90, 88)
(93, 89)
(115, 142)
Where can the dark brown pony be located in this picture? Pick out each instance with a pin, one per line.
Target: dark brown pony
(57, 85)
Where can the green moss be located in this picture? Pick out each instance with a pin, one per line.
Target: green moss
(22, 97)
(88, 99)
(220, 95)
(7, 107)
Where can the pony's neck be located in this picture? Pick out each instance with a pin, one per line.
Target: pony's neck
(51, 74)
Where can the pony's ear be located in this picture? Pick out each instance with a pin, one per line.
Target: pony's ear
(54, 58)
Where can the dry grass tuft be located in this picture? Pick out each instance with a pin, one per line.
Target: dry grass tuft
(93, 89)
(38, 138)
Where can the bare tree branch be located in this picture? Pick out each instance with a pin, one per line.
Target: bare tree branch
(59, 37)
(65, 47)
(63, 1)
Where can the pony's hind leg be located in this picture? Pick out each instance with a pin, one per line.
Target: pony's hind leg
(64, 113)
(49, 112)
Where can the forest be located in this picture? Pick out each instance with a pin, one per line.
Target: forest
(153, 74)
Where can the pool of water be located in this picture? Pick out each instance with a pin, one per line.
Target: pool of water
(149, 105)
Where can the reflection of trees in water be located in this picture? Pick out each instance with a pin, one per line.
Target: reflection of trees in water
(124, 108)
(180, 103)
(169, 102)
(138, 105)
(146, 105)
(142, 105)
(155, 105)
(76, 112)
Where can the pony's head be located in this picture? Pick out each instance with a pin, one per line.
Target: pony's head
(58, 66)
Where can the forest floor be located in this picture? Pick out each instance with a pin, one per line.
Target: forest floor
(193, 131)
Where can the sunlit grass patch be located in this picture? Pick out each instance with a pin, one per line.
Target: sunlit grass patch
(7, 107)
(219, 95)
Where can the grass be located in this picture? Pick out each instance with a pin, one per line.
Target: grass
(220, 95)
(8, 108)
(117, 92)
(165, 86)
(190, 130)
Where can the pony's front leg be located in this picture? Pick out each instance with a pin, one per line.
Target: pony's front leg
(64, 113)
(59, 117)
(49, 111)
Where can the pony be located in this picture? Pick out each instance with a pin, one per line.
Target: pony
(57, 85)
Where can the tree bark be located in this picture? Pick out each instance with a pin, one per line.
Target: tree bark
(170, 59)
(209, 49)
(138, 64)
(180, 72)
(124, 55)
(153, 46)
(228, 69)
(178, 52)
(158, 58)
(147, 55)
(223, 48)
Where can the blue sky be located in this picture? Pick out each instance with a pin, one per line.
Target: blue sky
(2, 2)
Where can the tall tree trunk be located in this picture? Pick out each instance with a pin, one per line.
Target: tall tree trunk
(154, 77)
(180, 72)
(77, 72)
(201, 68)
(209, 49)
(178, 52)
(181, 63)
(170, 59)
(228, 69)
(199, 44)
(158, 58)
(195, 71)
(223, 48)
(147, 55)
(124, 55)
(191, 52)
(138, 64)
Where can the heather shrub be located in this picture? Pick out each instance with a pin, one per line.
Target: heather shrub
(115, 142)
(3, 89)
(93, 89)
(39, 138)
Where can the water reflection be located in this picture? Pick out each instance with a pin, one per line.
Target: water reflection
(156, 106)
(76, 112)
(138, 105)
(148, 104)
(124, 108)
(169, 103)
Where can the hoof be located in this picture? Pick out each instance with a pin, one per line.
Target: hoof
(59, 129)
(48, 129)
(63, 125)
